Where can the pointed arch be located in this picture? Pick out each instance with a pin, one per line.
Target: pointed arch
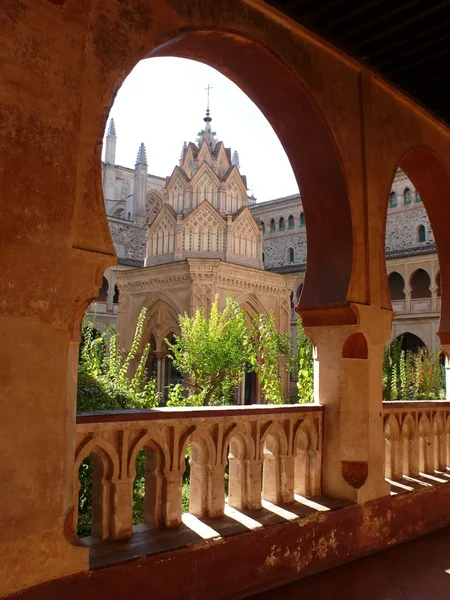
(251, 304)
(162, 314)
(439, 443)
(244, 483)
(157, 465)
(425, 445)
(274, 448)
(393, 448)
(205, 499)
(106, 468)
(410, 440)
(430, 176)
(420, 284)
(306, 460)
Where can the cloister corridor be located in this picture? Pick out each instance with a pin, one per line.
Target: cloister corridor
(381, 469)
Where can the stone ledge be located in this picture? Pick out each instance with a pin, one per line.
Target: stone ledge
(263, 558)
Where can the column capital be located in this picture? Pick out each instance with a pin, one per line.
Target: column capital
(373, 322)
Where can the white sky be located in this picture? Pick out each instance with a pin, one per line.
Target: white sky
(162, 103)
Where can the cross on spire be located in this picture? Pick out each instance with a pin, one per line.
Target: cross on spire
(207, 118)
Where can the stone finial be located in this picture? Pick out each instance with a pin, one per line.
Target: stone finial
(142, 155)
(183, 150)
(235, 159)
(112, 128)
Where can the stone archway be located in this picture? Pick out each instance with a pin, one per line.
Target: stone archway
(430, 176)
(307, 141)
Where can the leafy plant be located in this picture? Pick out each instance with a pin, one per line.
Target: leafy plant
(105, 382)
(104, 379)
(302, 363)
(215, 353)
(409, 376)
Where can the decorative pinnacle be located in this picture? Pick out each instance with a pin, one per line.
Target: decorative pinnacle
(112, 128)
(183, 150)
(142, 155)
(207, 119)
(235, 159)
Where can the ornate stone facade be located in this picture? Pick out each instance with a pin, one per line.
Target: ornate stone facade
(411, 259)
(202, 241)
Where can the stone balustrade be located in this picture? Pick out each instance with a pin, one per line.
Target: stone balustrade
(273, 452)
(417, 437)
(416, 305)
(419, 305)
(102, 308)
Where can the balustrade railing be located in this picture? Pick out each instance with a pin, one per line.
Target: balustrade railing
(398, 306)
(421, 305)
(102, 308)
(417, 437)
(273, 452)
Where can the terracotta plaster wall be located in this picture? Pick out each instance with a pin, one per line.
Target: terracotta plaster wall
(62, 61)
(45, 284)
(395, 131)
(262, 558)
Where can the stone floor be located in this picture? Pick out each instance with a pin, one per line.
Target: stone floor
(417, 570)
(195, 531)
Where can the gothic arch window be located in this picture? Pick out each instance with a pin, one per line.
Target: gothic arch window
(396, 286)
(103, 291)
(418, 198)
(421, 234)
(129, 216)
(272, 226)
(302, 219)
(281, 224)
(291, 255)
(263, 258)
(438, 284)
(420, 284)
(392, 200)
(263, 227)
(291, 223)
(407, 197)
(116, 295)
(199, 247)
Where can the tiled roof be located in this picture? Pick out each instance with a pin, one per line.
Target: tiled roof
(402, 253)
(275, 200)
(292, 268)
(415, 251)
(131, 262)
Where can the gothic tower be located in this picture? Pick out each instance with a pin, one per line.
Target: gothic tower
(140, 186)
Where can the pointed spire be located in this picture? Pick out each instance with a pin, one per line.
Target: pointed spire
(183, 151)
(142, 155)
(112, 128)
(207, 119)
(235, 159)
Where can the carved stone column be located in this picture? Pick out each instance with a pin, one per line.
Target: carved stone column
(122, 508)
(178, 254)
(349, 345)
(408, 307)
(172, 505)
(244, 489)
(434, 297)
(229, 239)
(149, 252)
(445, 348)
